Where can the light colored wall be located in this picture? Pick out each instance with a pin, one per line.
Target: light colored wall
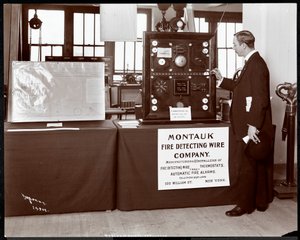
(275, 27)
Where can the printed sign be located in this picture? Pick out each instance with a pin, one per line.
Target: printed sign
(193, 158)
(180, 114)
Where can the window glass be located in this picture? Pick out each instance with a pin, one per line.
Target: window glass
(34, 53)
(57, 51)
(78, 28)
(227, 58)
(231, 57)
(139, 56)
(197, 24)
(99, 51)
(230, 32)
(129, 59)
(88, 29)
(87, 32)
(222, 61)
(49, 41)
(78, 51)
(133, 59)
(46, 51)
(141, 25)
(203, 25)
(239, 27)
(97, 30)
(221, 35)
(52, 29)
(119, 56)
(88, 51)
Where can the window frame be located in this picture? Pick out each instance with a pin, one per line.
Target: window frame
(70, 9)
(212, 18)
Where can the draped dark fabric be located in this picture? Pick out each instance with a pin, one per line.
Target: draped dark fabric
(137, 179)
(60, 171)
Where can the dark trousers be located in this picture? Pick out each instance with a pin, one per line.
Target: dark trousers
(252, 180)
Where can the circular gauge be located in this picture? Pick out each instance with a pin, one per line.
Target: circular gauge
(154, 50)
(180, 61)
(154, 43)
(205, 100)
(154, 108)
(154, 101)
(160, 86)
(205, 44)
(205, 50)
(204, 107)
(161, 61)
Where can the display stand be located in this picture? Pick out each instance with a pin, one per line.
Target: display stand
(288, 187)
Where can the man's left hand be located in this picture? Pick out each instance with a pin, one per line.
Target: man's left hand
(252, 133)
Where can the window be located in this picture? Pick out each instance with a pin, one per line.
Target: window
(129, 55)
(49, 39)
(86, 35)
(74, 30)
(228, 61)
(209, 22)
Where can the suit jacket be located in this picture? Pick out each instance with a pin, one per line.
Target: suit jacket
(251, 98)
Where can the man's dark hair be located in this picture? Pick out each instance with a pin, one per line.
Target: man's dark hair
(245, 37)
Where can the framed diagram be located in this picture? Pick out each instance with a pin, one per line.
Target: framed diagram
(56, 91)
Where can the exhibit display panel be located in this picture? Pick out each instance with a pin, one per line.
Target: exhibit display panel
(176, 74)
(59, 170)
(56, 91)
(139, 172)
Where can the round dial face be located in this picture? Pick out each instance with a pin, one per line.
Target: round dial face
(205, 44)
(154, 43)
(205, 50)
(154, 50)
(160, 86)
(161, 61)
(180, 61)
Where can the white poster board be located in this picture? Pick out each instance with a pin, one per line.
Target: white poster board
(193, 158)
(56, 91)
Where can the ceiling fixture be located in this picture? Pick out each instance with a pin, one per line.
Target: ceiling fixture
(35, 22)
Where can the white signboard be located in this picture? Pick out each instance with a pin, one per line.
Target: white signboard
(180, 113)
(56, 91)
(193, 158)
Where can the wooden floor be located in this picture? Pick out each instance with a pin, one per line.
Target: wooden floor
(279, 219)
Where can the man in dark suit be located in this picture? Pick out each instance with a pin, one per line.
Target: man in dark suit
(250, 113)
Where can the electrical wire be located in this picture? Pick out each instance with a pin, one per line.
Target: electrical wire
(221, 18)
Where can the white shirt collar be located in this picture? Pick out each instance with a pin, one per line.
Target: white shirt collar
(250, 54)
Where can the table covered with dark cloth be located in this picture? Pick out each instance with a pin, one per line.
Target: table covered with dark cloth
(60, 171)
(137, 173)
